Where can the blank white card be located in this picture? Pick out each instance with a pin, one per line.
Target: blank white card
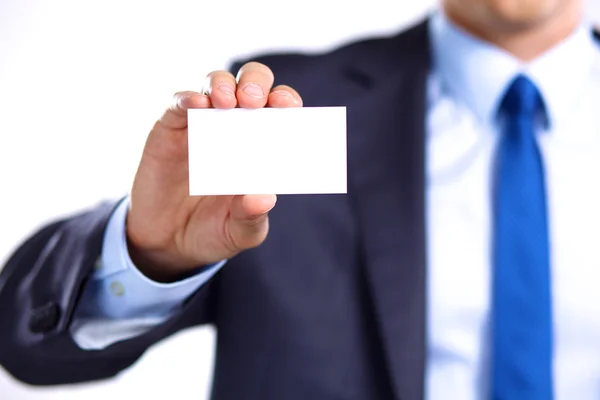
(267, 151)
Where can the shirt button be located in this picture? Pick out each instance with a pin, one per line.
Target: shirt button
(117, 289)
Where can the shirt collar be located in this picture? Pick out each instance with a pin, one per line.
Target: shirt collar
(477, 72)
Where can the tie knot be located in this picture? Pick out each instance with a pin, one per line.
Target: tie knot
(522, 98)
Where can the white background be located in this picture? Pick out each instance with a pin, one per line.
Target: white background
(81, 83)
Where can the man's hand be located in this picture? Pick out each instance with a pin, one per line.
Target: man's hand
(171, 233)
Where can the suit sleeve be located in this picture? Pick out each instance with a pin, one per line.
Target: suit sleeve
(119, 302)
(42, 284)
(40, 287)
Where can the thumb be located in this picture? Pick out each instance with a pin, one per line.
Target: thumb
(248, 222)
(168, 141)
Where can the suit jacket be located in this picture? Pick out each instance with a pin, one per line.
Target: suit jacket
(331, 306)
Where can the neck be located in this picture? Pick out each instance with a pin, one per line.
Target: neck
(525, 41)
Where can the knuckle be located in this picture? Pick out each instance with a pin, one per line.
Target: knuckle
(216, 73)
(175, 103)
(177, 97)
(286, 88)
(248, 235)
(255, 66)
(219, 76)
(256, 69)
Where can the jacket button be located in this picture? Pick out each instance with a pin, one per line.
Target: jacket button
(45, 318)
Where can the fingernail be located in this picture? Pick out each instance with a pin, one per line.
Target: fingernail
(286, 94)
(227, 89)
(254, 90)
(274, 199)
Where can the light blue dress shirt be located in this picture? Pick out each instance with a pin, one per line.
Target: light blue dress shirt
(467, 82)
(119, 290)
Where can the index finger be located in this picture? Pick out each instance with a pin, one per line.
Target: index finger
(175, 117)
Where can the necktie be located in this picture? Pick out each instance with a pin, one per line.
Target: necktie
(521, 329)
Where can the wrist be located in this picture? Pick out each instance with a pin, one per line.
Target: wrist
(160, 265)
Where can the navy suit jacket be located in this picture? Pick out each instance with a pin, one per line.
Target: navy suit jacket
(331, 306)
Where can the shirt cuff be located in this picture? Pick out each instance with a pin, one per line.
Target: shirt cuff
(119, 290)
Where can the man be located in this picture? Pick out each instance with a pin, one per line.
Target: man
(461, 264)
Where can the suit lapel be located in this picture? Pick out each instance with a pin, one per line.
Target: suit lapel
(386, 153)
(386, 137)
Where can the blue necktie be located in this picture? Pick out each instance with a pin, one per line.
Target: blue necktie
(521, 329)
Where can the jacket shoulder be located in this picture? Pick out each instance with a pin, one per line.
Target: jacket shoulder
(288, 65)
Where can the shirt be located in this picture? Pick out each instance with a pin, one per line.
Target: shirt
(467, 82)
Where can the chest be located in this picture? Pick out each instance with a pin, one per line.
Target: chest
(460, 156)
